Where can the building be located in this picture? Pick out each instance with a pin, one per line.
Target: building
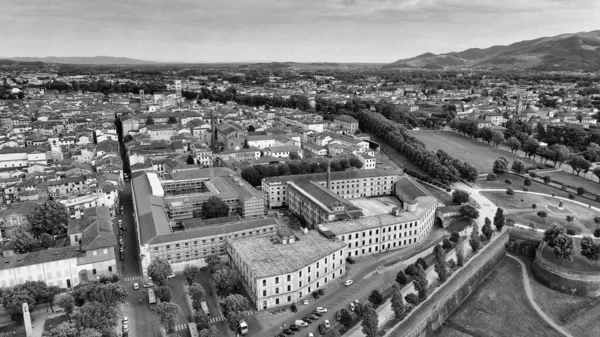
(283, 151)
(91, 253)
(347, 184)
(164, 232)
(346, 122)
(282, 270)
(369, 162)
(13, 216)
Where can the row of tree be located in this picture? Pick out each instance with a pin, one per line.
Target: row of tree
(255, 174)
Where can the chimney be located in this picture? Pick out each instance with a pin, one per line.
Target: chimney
(329, 174)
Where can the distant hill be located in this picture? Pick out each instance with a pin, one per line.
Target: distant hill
(100, 60)
(13, 63)
(578, 51)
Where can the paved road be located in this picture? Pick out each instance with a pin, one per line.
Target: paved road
(532, 301)
(130, 268)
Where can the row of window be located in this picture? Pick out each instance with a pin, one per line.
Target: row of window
(220, 238)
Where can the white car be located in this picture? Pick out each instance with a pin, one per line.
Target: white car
(125, 320)
(120, 222)
(171, 276)
(321, 309)
(148, 285)
(305, 302)
(136, 286)
(348, 283)
(327, 325)
(310, 334)
(352, 306)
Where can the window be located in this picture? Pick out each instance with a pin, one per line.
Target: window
(176, 245)
(168, 246)
(289, 278)
(95, 252)
(276, 301)
(264, 293)
(264, 283)
(289, 298)
(277, 290)
(277, 280)
(289, 288)
(105, 251)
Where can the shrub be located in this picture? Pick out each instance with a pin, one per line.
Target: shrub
(571, 196)
(597, 232)
(448, 189)
(447, 244)
(401, 278)
(510, 191)
(412, 298)
(547, 180)
(451, 264)
(491, 177)
(483, 238)
(597, 220)
(527, 182)
(571, 231)
(422, 262)
(580, 191)
(454, 237)
(532, 174)
(508, 181)
(525, 189)
(411, 270)
(293, 307)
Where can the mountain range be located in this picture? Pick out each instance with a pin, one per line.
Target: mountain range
(577, 51)
(100, 60)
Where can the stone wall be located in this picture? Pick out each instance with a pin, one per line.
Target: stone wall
(564, 279)
(432, 313)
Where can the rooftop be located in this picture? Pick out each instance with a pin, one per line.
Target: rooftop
(266, 258)
(151, 210)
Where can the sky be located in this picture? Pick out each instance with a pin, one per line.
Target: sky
(367, 31)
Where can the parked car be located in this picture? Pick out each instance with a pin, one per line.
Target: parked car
(307, 319)
(338, 315)
(305, 302)
(136, 286)
(120, 222)
(321, 309)
(125, 320)
(322, 329)
(315, 294)
(313, 317)
(310, 334)
(288, 332)
(321, 292)
(294, 327)
(350, 260)
(171, 276)
(316, 313)
(205, 268)
(352, 306)
(327, 324)
(301, 322)
(348, 283)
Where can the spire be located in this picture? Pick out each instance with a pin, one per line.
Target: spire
(329, 174)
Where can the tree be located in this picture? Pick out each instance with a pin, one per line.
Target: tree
(460, 196)
(252, 176)
(469, 212)
(513, 143)
(542, 214)
(475, 240)
(212, 331)
(172, 120)
(560, 154)
(294, 155)
(460, 255)
(167, 313)
(201, 319)
(570, 218)
(533, 206)
(421, 262)
(397, 301)
(46, 241)
(197, 293)
(597, 233)
(530, 147)
(401, 278)
(233, 307)
(12, 301)
(93, 315)
(251, 128)
(527, 181)
(23, 240)
(48, 217)
(518, 166)
(487, 228)
(411, 270)
(440, 265)
(214, 207)
(563, 247)
(499, 219)
(333, 333)
(412, 298)
(226, 280)
(375, 297)
(589, 249)
(163, 293)
(500, 165)
(158, 270)
(149, 120)
(64, 329)
(213, 262)
(420, 283)
(454, 237)
(578, 163)
(370, 321)
(552, 233)
(67, 303)
(189, 271)
(447, 244)
(346, 319)
(497, 138)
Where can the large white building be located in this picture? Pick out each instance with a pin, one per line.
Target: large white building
(282, 270)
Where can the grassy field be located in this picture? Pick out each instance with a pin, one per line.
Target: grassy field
(579, 262)
(573, 180)
(479, 154)
(395, 156)
(578, 315)
(498, 308)
(519, 208)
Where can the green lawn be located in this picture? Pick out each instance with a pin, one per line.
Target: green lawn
(579, 262)
(573, 180)
(463, 148)
(519, 208)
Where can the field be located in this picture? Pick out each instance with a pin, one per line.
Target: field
(579, 262)
(498, 308)
(578, 315)
(519, 208)
(573, 180)
(479, 154)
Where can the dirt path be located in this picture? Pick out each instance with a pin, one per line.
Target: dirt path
(532, 301)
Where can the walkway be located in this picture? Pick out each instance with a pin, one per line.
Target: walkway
(532, 301)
